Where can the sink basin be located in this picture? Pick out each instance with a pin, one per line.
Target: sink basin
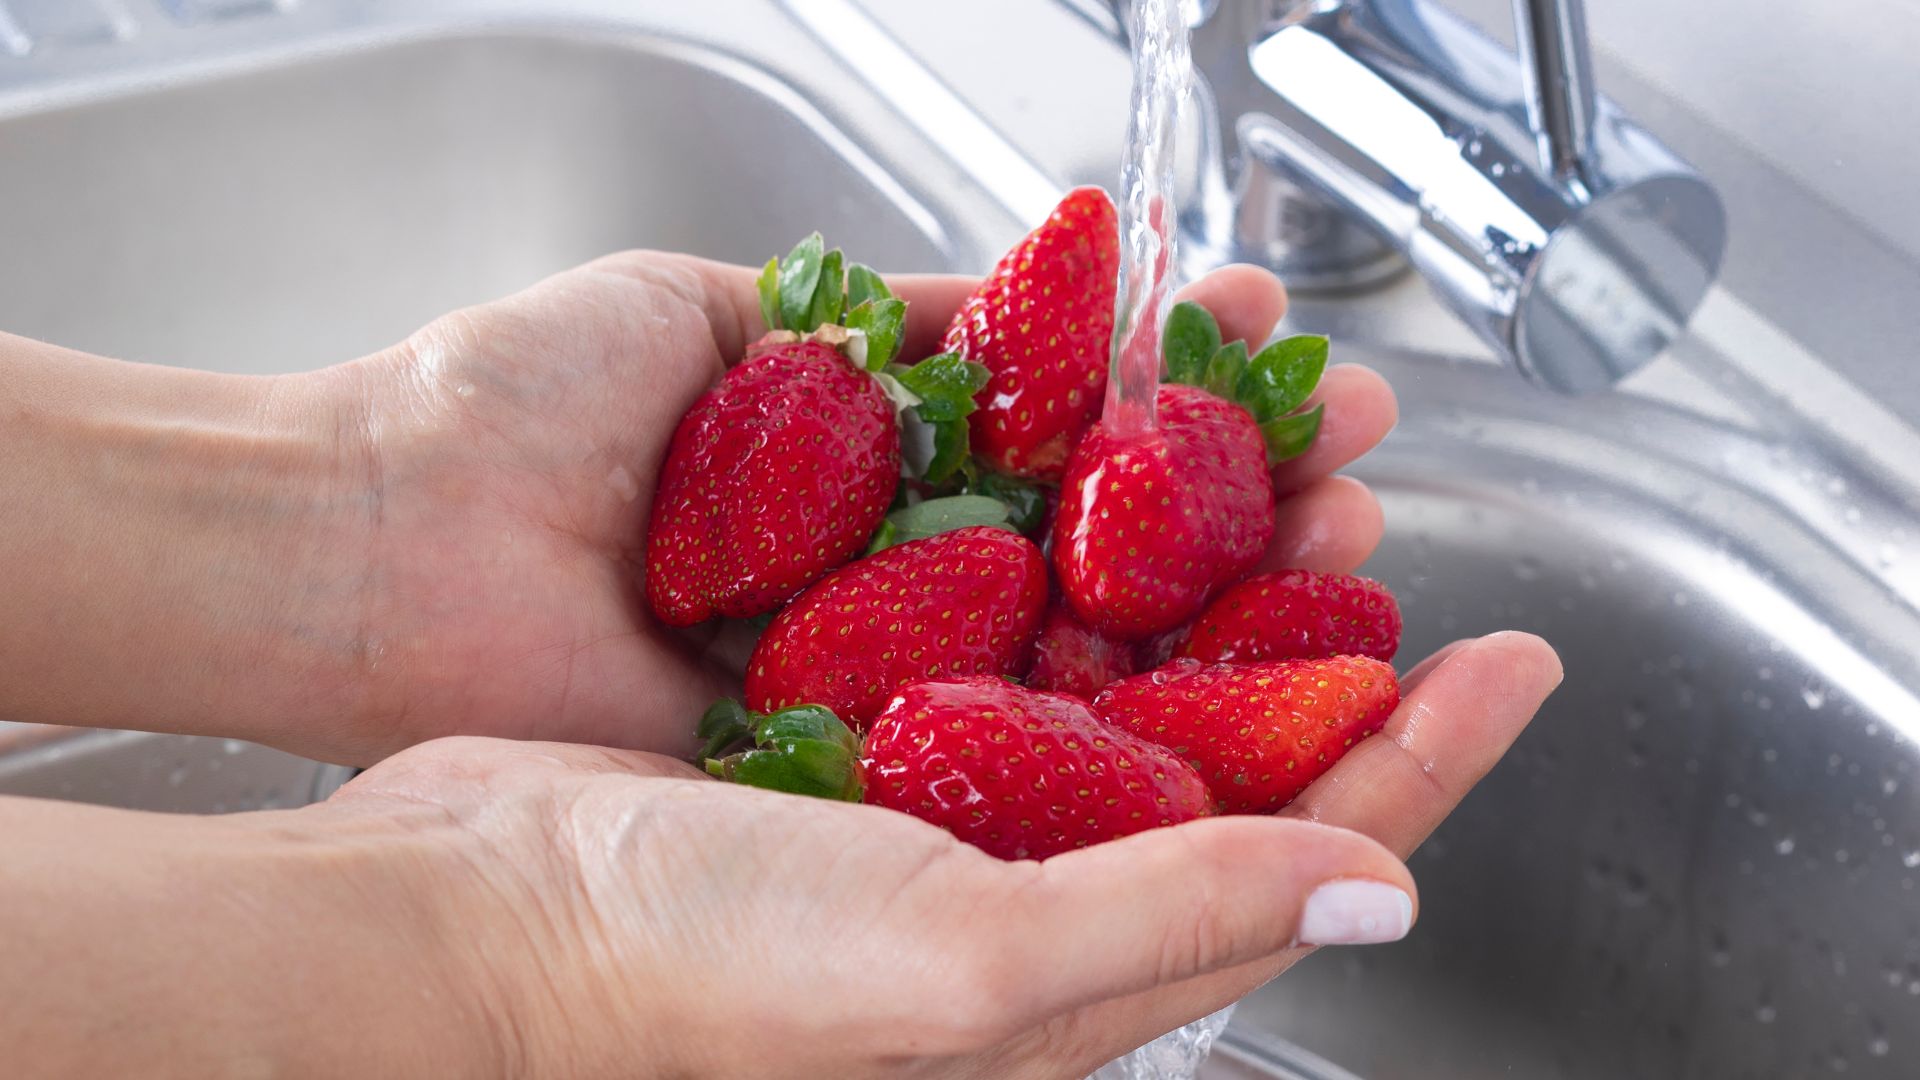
(1700, 862)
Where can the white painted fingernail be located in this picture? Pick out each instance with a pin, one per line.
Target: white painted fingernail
(1355, 912)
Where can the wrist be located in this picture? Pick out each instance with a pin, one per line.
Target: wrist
(376, 914)
(185, 550)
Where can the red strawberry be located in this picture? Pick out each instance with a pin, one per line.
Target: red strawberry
(1022, 774)
(1070, 658)
(1295, 615)
(1153, 523)
(782, 472)
(1017, 773)
(966, 602)
(774, 478)
(1259, 733)
(1042, 323)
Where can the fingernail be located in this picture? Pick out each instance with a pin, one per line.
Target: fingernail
(1355, 912)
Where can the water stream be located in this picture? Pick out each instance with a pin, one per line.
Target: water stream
(1162, 72)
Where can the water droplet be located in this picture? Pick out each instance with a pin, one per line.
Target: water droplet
(1766, 1013)
(1911, 860)
(1636, 716)
(1634, 891)
(1878, 1046)
(1852, 515)
(465, 389)
(1527, 569)
(1784, 846)
(1720, 951)
(1836, 485)
(1888, 553)
(1765, 673)
(177, 777)
(1814, 693)
(232, 746)
(1681, 599)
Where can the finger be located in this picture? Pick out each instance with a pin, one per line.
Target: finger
(932, 300)
(1247, 301)
(1399, 785)
(1360, 411)
(1411, 680)
(1167, 905)
(1331, 527)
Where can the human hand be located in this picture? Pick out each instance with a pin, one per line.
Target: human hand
(624, 915)
(513, 450)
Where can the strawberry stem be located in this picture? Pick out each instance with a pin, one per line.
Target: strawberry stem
(1272, 384)
(803, 750)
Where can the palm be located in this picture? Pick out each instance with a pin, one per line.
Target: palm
(533, 430)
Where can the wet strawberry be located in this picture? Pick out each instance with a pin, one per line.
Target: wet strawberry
(1042, 324)
(782, 472)
(1295, 615)
(1022, 774)
(1152, 524)
(1018, 773)
(964, 602)
(1258, 733)
(1072, 658)
(774, 478)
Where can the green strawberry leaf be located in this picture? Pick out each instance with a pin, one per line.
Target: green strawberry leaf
(883, 538)
(1281, 376)
(864, 284)
(769, 286)
(1188, 341)
(946, 378)
(951, 443)
(945, 514)
(1225, 368)
(725, 723)
(825, 307)
(1289, 436)
(945, 384)
(799, 277)
(881, 320)
(1026, 506)
(803, 750)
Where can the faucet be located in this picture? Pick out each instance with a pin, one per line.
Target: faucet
(1345, 139)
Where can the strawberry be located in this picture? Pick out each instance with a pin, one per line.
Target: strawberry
(1017, 773)
(1295, 615)
(1042, 324)
(774, 478)
(1152, 523)
(782, 472)
(1259, 733)
(964, 602)
(1071, 658)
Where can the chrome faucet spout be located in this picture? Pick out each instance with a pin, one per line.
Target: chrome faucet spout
(1345, 139)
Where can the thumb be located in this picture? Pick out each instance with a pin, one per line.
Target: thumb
(1166, 906)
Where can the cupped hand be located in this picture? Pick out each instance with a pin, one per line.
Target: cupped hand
(616, 913)
(509, 454)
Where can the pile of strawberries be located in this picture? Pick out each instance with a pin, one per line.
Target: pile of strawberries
(899, 524)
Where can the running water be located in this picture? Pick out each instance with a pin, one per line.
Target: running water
(1162, 71)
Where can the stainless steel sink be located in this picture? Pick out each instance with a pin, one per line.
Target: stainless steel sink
(1701, 862)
